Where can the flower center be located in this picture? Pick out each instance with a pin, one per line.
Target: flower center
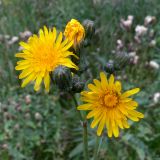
(110, 100)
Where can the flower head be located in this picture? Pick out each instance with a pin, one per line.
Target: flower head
(74, 31)
(108, 106)
(41, 55)
(141, 30)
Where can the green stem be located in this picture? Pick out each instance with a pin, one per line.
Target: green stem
(85, 132)
(76, 105)
(85, 140)
(96, 148)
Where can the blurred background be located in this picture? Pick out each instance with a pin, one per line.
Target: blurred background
(39, 126)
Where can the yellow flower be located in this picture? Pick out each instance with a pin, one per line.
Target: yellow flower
(41, 55)
(108, 106)
(74, 31)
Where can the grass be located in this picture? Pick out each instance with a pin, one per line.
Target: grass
(57, 133)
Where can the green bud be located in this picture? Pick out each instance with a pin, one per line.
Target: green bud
(62, 78)
(77, 85)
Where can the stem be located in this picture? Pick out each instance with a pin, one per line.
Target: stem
(76, 104)
(85, 140)
(85, 133)
(96, 148)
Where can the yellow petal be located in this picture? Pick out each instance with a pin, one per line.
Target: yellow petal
(111, 80)
(97, 83)
(64, 43)
(93, 88)
(87, 106)
(67, 46)
(130, 92)
(136, 113)
(131, 105)
(27, 80)
(68, 63)
(25, 45)
(109, 130)
(123, 109)
(101, 125)
(38, 82)
(93, 113)
(47, 82)
(115, 131)
(118, 86)
(25, 73)
(96, 121)
(104, 81)
(54, 34)
(133, 118)
(119, 123)
(125, 124)
(21, 67)
(45, 31)
(59, 40)
(41, 34)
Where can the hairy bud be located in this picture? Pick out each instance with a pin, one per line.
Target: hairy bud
(77, 85)
(89, 27)
(62, 78)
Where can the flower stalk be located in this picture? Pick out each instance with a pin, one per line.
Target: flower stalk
(85, 140)
(96, 149)
(85, 132)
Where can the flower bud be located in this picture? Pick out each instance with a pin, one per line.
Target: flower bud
(38, 116)
(13, 40)
(77, 85)
(89, 27)
(16, 127)
(152, 43)
(27, 116)
(28, 99)
(153, 64)
(110, 68)
(5, 146)
(141, 30)
(149, 20)
(156, 97)
(62, 78)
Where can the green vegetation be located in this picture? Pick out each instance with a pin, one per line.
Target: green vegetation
(38, 126)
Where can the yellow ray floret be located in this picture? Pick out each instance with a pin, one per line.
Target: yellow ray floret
(41, 55)
(74, 31)
(108, 106)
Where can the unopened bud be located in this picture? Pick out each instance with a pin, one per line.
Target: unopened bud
(119, 44)
(149, 20)
(77, 85)
(110, 68)
(27, 116)
(141, 30)
(62, 78)
(89, 27)
(5, 146)
(156, 97)
(152, 43)
(13, 40)
(154, 64)
(28, 99)
(16, 127)
(38, 116)
(126, 24)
